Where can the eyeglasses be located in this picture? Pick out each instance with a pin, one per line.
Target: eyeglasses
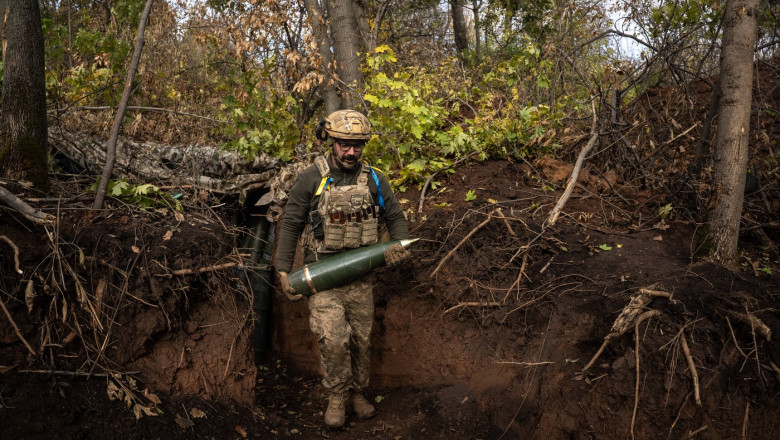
(346, 146)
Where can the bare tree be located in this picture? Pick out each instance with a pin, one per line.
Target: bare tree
(731, 139)
(23, 119)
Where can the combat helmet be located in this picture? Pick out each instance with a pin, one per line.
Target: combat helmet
(344, 124)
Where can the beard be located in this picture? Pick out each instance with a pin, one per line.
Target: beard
(347, 162)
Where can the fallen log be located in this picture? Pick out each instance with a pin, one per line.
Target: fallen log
(205, 166)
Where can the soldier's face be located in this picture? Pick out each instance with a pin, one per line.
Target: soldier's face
(347, 153)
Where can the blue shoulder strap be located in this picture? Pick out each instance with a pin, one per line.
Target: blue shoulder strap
(378, 186)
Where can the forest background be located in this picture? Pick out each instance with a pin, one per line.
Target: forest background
(441, 82)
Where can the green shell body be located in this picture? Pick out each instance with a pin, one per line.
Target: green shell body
(341, 268)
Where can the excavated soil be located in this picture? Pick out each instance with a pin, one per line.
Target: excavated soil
(484, 334)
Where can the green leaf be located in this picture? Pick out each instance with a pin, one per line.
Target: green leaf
(118, 188)
(605, 247)
(146, 189)
(471, 195)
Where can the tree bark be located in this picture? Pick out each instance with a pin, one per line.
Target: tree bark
(732, 136)
(476, 5)
(346, 43)
(23, 119)
(120, 113)
(369, 42)
(459, 27)
(320, 29)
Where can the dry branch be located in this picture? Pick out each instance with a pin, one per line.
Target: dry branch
(16, 328)
(692, 366)
(23, 208)
(120, 113)
(16, 252)
(594, 136)
(452, 251)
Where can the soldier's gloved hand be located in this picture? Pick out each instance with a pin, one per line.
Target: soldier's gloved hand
(284, 285)
(395, 255)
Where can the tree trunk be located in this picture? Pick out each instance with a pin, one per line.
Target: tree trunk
(120, 113)
(23, 119)
(476, 4)
(369, 42)
(732, 136)
(319, 27)
(346, 42)
(459, 27)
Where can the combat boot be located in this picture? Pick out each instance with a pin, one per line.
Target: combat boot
(334, 415)
(362, 408)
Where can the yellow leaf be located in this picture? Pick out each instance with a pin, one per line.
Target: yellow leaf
(492, 201)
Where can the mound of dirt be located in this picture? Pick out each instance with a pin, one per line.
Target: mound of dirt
(485, 333)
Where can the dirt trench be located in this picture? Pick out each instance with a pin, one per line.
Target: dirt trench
(492, 346)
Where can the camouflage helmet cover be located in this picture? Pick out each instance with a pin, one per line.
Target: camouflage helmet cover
(348, 124)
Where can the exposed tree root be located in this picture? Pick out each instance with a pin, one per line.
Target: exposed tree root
(752, 320)
(631, 314)
(642, 317)
(472, 304)
(692, 366)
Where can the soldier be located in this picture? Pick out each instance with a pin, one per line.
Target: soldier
(337, 204)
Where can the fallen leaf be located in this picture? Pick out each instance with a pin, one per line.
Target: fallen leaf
(241, 431)
(135, 249)
(659, 238)
(184, 423)
(29, 296)
(168, 235)
(197, 413)
(661, 225)
(152, 397)
(179, 216)
(113, 391)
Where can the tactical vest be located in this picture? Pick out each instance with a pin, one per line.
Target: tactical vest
(346, 216)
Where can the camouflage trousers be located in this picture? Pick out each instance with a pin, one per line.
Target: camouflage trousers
(341, 318)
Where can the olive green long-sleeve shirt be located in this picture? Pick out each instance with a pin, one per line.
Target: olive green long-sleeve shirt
(302, 201)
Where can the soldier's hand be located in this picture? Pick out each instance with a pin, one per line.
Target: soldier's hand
(395, 255)
(284, 285)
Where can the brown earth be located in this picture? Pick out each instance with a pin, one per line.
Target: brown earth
(492, 346)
